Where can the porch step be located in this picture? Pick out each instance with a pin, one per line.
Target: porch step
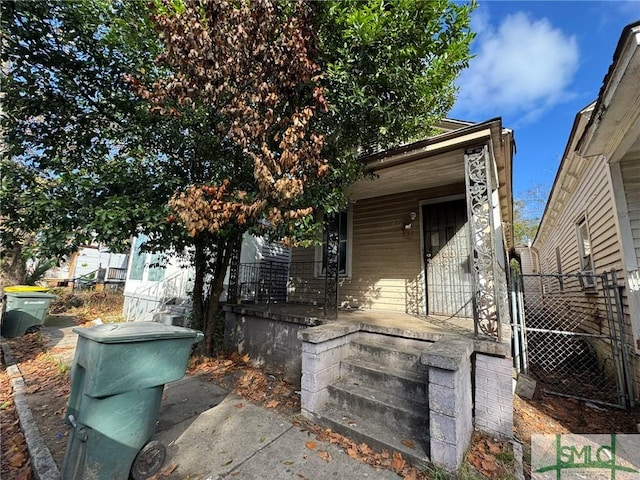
(381, 397)
(404, 416)
(401, 356)
(414, 447)
(405, 384)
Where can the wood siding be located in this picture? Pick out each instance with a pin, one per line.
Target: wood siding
(591, 198)
(386, 260)
(630, 169)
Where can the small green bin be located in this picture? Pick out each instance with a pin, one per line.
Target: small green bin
(24, 310)
(117, 379)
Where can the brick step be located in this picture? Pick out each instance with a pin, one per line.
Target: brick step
(401, 383)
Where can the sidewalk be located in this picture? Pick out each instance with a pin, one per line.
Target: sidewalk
(211, 433)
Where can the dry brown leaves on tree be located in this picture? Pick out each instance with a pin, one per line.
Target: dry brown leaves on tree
(252, 64)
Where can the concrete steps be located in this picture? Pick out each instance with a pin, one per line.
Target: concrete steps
(381, 396)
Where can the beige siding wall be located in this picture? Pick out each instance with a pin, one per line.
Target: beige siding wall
(386, 263)
(592, 198)
(528, 260)
(630, 169)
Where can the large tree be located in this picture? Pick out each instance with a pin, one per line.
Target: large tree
(252, 112)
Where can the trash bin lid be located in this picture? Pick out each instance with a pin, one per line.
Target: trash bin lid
(25, 288)
(29, 294)
(134, 332)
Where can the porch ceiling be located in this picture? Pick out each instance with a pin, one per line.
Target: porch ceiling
(416, 172)
(439, 161)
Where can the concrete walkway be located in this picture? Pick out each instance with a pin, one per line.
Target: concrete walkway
(209, 433)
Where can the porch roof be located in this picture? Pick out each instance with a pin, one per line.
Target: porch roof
(439, 161)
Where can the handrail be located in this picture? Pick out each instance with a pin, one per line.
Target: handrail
(157, 290)
(87, 276)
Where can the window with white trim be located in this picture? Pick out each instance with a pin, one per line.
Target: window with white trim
(344, 248)
(584, 250)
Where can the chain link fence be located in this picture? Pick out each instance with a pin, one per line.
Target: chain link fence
(567, 335)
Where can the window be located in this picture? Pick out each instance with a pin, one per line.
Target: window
(153, 263)
(344, 248)
(559, 268)
(138, 259)
(584, 250)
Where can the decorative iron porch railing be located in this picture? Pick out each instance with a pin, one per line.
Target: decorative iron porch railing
(273, 282)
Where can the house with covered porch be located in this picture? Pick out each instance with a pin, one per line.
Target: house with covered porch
(396, 326)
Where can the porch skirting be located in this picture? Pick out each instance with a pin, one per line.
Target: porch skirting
(270, 339)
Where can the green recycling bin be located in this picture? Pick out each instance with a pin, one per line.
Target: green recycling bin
(117, 379)
(24, 311)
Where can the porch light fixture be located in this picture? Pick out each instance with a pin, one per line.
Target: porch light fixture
(412, 216)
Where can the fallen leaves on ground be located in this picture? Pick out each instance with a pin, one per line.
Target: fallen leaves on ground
(15, 456)
(164, 472)
(364, 453)
(251, 382)
(490, 456)
(551, 414)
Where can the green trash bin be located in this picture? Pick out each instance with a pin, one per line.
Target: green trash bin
(117, 379)
(23, 311)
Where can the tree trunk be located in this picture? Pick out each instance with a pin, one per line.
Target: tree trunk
(223, 256)
(13, 268)
(200, 263)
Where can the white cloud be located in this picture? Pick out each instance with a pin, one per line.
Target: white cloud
(523, 68)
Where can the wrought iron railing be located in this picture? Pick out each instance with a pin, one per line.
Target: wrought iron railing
(272, 282)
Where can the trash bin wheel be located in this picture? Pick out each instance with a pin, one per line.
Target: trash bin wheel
(32, 329)
(149, 460)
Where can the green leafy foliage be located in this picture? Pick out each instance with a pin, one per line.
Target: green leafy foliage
(89, 159)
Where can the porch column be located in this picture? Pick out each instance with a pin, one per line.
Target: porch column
(234, 271)
(484, 267)
(332, 268)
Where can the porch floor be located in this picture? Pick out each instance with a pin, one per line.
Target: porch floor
(385, 319)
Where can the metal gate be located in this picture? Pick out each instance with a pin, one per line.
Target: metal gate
(568, 334)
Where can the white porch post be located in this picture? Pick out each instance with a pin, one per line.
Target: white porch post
(484, 263)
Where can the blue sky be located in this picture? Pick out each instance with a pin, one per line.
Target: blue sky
(537, 64)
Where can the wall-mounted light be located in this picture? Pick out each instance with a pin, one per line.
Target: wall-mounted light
(412, 217)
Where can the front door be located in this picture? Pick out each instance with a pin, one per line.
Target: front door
(446, 259)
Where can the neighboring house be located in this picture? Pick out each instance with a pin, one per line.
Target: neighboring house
(88, 265)
(591, 223)
(412, 343)
(160, 285)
